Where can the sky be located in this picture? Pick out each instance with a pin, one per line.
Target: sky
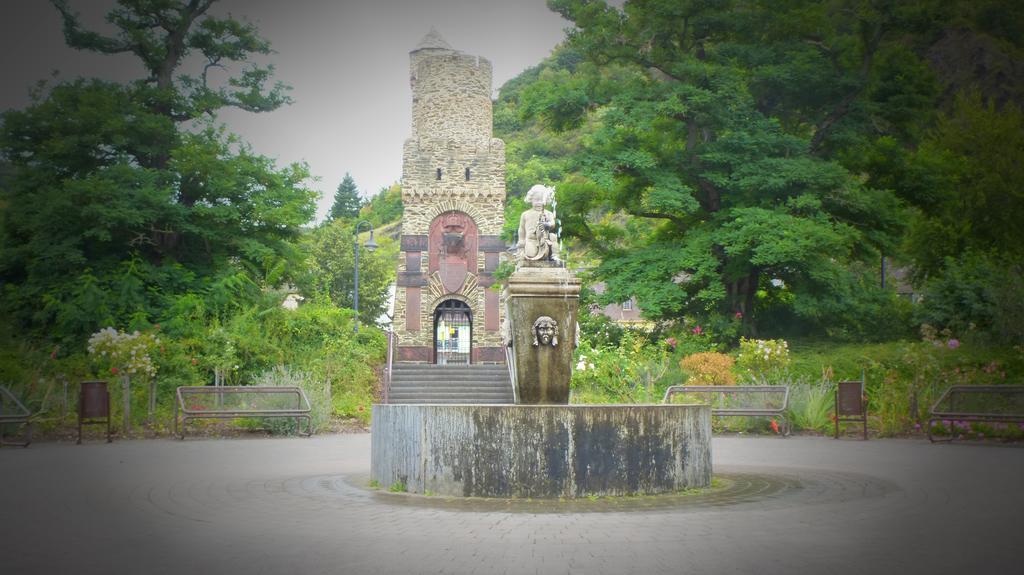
(347, 62)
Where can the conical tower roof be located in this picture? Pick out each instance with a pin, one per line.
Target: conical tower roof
(433, 40)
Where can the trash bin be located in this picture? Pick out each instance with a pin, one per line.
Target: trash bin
(93, 406)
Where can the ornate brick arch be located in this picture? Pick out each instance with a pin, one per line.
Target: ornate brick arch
(455, 296)
(455, 205)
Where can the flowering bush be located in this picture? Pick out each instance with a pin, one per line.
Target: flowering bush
(127, 354)
(761, 357)
(630, 372)
(708, 368)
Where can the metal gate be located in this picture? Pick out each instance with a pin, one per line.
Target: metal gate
(453, 333)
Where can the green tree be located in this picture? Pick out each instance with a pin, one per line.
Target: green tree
(970, 198)
(965, 238)
(120, 199)
(330, 271)
(706, 178)
(346, 200)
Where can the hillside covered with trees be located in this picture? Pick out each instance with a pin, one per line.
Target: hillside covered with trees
(746, 165)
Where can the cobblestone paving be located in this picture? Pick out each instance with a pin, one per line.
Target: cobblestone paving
(799, 505)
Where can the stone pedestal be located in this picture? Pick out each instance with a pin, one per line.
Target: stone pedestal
(541, 450)
(539, 292)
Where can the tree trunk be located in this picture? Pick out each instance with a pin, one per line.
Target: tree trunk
(741, 293)
(748, 305)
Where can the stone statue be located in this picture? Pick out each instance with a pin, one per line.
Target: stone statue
(537, 241)
(545, 332)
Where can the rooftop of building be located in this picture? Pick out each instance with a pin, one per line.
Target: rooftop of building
(433, 41)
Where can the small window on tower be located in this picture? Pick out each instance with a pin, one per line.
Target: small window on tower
(467, 174)
(439, 173)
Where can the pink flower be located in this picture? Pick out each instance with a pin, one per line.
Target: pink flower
(113, 370)
(697, 330)
(739, 315)
(671, 342)
(953, 343)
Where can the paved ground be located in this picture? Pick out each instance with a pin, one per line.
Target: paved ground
(799, 505)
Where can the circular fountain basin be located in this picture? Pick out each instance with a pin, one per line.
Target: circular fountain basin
(541, 451)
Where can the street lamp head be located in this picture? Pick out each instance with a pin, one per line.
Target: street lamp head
(370, 245)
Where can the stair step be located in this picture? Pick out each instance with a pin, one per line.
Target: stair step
(438, 373)
(450, 384)
(487, 392)
(446, 376)
(454, 385)
(459, 402)
(431, 367)
(396, 394)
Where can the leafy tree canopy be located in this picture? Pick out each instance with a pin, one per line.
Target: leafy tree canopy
(120, 199)
(330, 268)
(707, 174)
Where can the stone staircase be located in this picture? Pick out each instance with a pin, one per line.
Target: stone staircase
(425, 383)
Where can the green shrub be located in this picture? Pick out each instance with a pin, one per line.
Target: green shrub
(976, 294)
(811, 405)
(317, 392)
(708, 368)
(633, 372)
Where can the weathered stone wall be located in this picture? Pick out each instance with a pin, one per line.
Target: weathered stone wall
(451, 95)
(422, 206)
(484, 191)
(534, 292)
(451, 133)
(541, 450)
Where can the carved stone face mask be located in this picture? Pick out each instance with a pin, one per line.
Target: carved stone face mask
(545, 332)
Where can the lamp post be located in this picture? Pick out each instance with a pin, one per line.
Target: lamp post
(370, 246)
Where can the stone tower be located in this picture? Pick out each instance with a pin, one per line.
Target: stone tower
(453, 189)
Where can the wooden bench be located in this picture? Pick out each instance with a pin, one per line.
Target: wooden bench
(980, 403)
(13, 412)
(232, 402)
(739, 400)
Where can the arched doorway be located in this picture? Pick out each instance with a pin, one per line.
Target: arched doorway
(453, 333)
